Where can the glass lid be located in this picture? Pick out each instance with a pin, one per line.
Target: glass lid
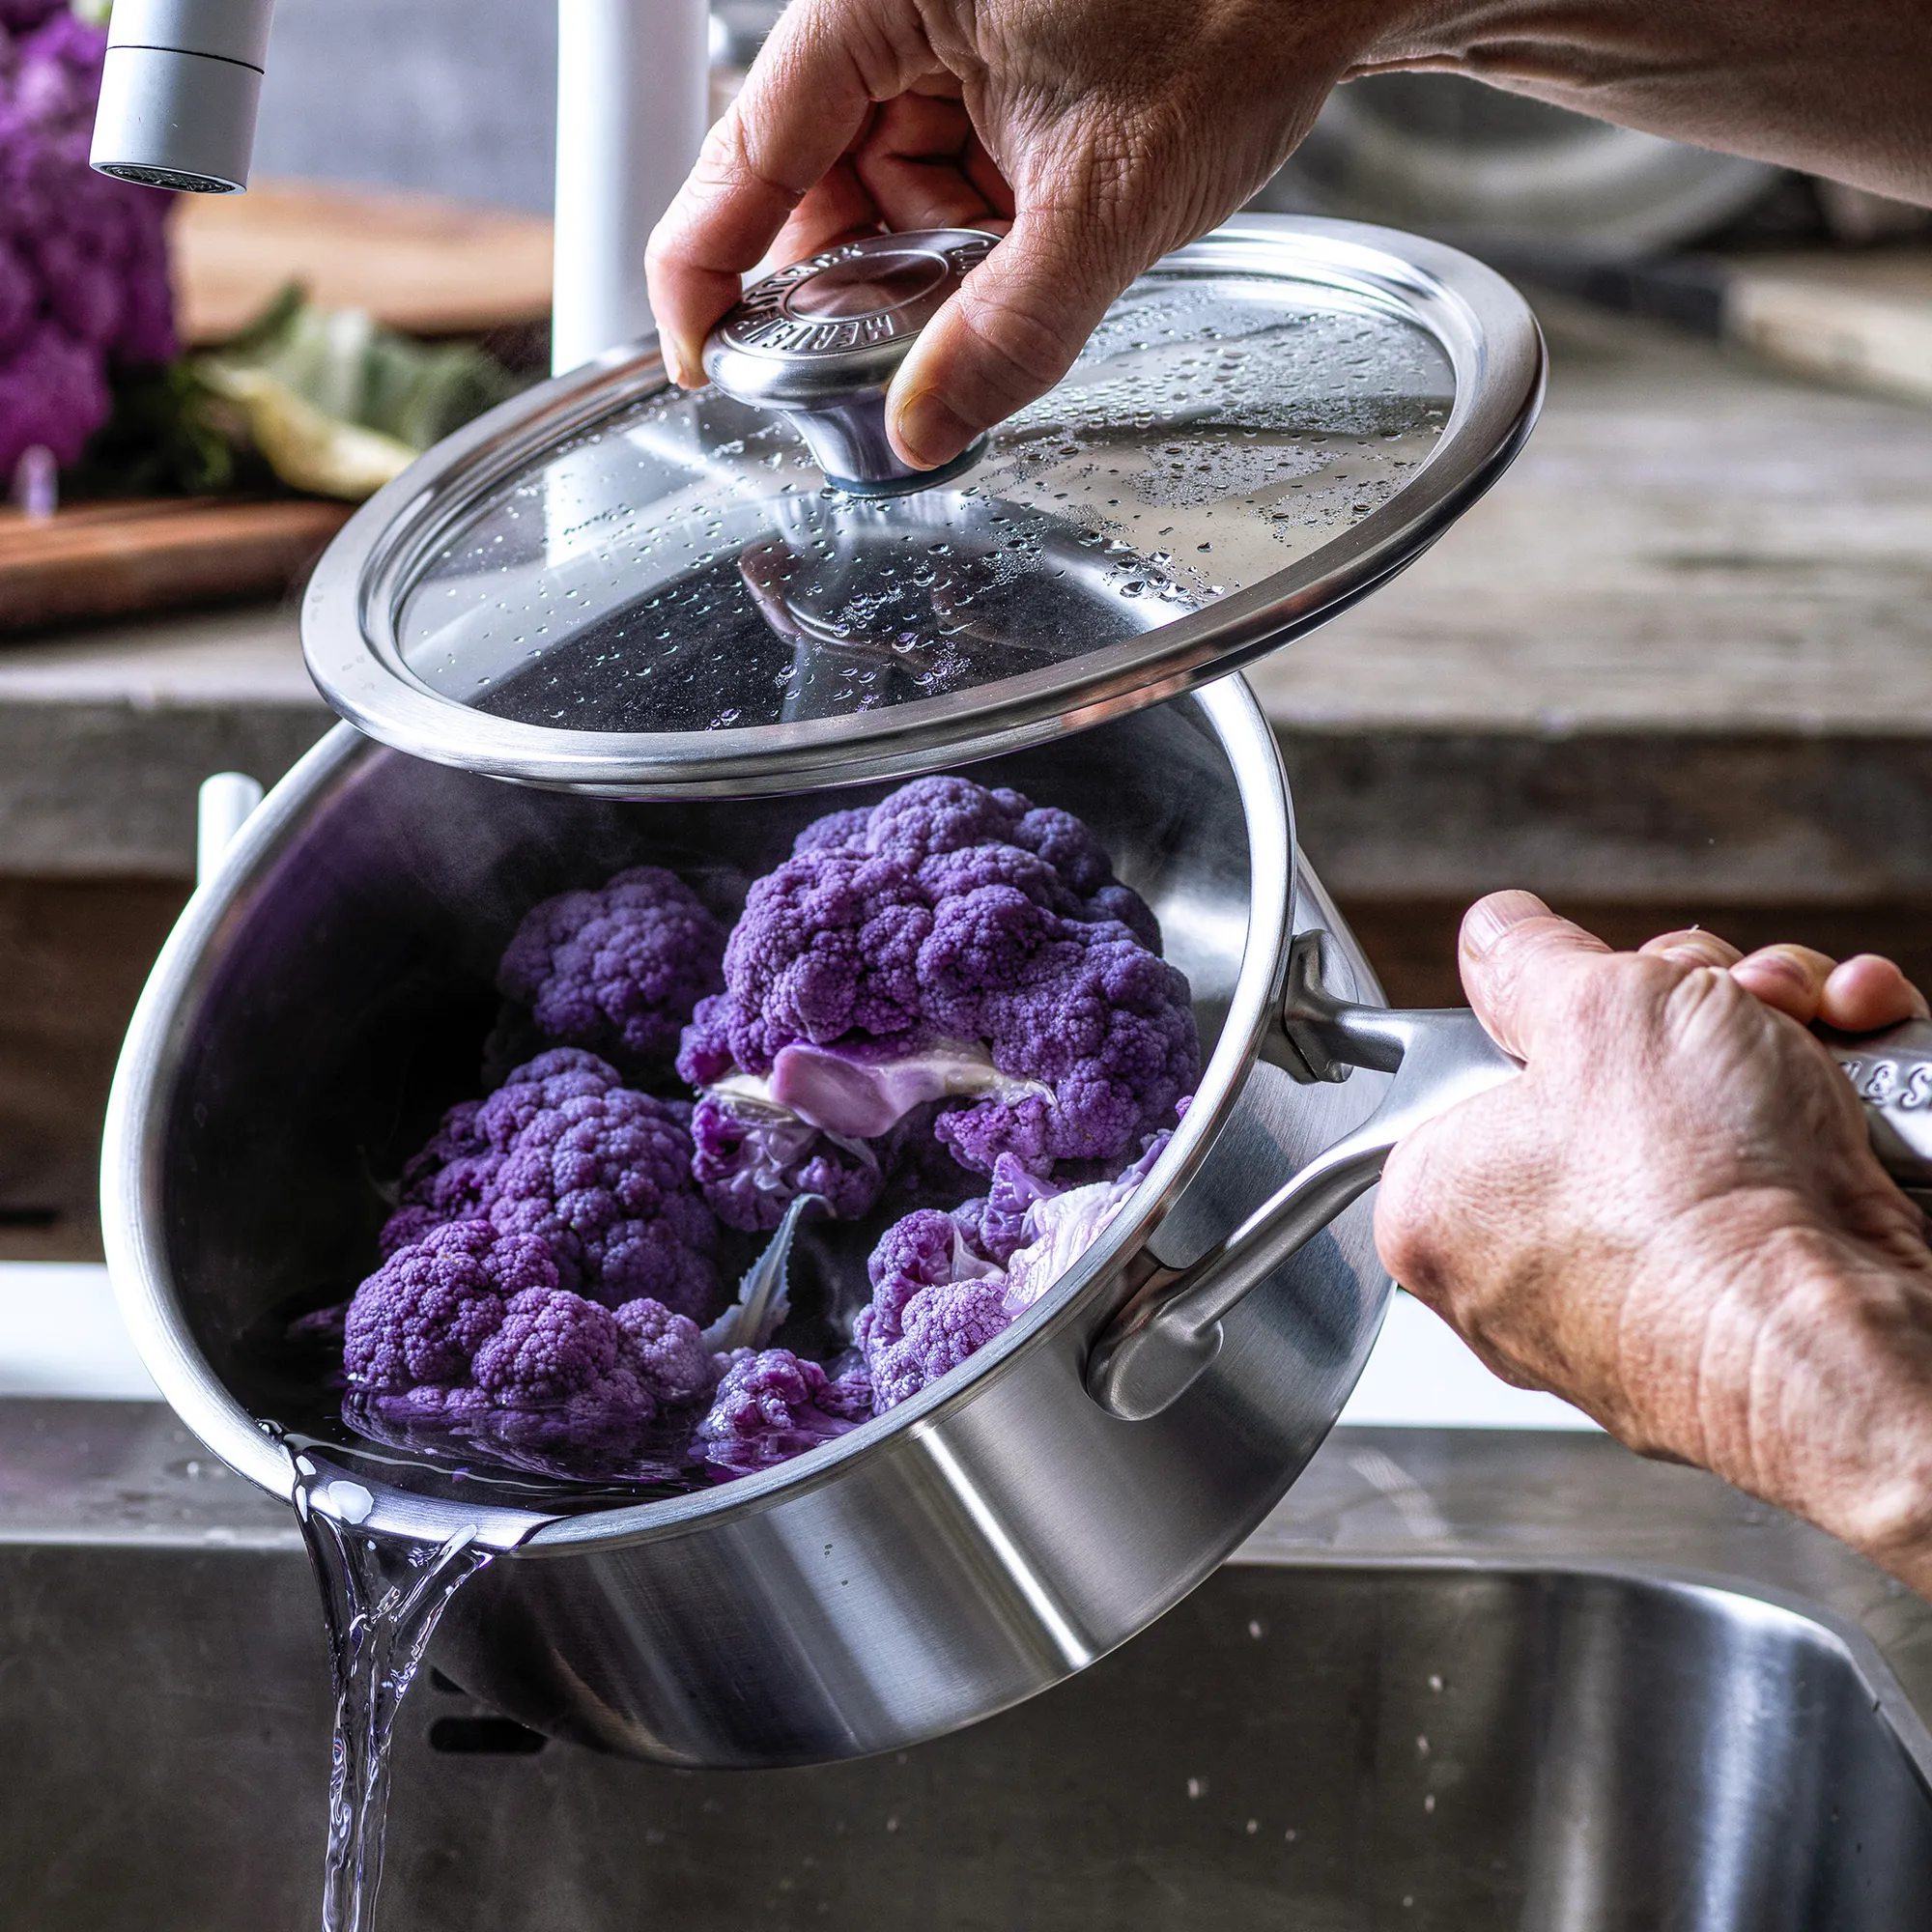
(615, 586)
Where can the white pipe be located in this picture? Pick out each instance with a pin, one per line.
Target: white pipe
(227, 801)
(632, 78)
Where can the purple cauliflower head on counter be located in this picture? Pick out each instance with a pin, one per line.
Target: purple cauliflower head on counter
(83, 259)
(944, 1284)
(468, 1330)
(953, 944)
(620, 967)
(600, 1175)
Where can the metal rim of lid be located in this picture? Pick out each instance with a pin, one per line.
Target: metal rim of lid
(348, 613)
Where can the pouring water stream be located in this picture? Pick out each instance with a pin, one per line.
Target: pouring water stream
(382, 1596)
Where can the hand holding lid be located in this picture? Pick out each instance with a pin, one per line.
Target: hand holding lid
(821, 341)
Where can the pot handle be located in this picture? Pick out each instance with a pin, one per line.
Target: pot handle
(1162, 1339)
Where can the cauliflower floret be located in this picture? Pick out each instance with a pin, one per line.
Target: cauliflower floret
(956, 943)
(772, 1406)
(620, 967)
(669, 1349)
(939, 1329)
(944, 1284)
(606, 1182)
(422, 1314)
(550, 1080)
(468, 1330)
(83, 259)
(563, 1151)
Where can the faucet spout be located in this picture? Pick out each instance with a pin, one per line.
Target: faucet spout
(180, 92)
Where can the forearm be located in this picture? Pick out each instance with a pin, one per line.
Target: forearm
(1842, 90)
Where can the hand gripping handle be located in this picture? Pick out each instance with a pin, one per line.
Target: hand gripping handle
(1161, 1340)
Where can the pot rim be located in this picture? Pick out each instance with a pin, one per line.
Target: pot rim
(133, 1219)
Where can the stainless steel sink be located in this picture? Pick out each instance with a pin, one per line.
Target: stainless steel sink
(1456, 1683)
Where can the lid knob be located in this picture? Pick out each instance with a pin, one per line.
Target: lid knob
(821, 340)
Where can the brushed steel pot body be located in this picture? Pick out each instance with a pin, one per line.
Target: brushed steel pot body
(941, 1563)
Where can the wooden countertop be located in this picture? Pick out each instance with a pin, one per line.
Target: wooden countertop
(1689, 544)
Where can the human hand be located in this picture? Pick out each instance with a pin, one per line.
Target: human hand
(1102, 133)
(1096, 137)
(1673, 1217)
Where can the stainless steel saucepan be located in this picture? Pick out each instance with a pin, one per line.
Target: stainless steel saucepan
(971, 1548)
(652, 613)
(978, 1544)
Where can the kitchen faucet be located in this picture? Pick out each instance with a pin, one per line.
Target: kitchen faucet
(184, 79)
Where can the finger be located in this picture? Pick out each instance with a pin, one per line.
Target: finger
(1007, 335)
(1867, 992)
(833, 211)
(1790, 979)
(915, 165)
(1516, 958)
(1693, 947)
(802, 104)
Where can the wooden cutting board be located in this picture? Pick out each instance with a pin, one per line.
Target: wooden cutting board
(1863, 321)
(418, 262)
(113, 560)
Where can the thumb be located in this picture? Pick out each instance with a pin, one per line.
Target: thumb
(1007, 335)
(1516, 958)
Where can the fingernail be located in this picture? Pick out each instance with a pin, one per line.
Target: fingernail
(1489, 918)
(927, 431)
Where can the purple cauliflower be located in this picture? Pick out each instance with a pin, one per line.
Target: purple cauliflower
(772, 1406)
(944, 1284)
(449, 1180)
(83, 259)
(937, 1300)
(752, 1162)
(600, 1175)
(549, 1081)
(606, 1179)
(16, 17)
(422, 1314)
(953, 944)
(620, 969)
(468, 1332)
